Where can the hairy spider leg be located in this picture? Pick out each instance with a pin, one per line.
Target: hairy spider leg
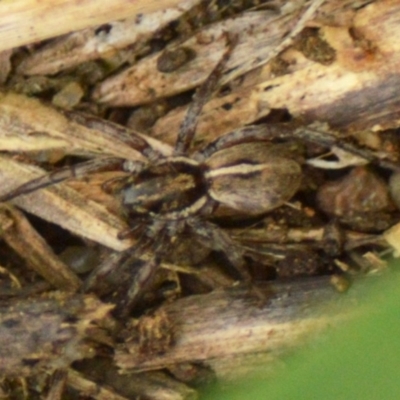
(245, 134)
(117, 262)
(105, 268)
(133, 230)
(265, 132)
(162, 231)
(327, 139)
(119, 133)
(131, 138)
(62, 174)
(202, 95)
(216, 239)
(142, 280)
(143, 277)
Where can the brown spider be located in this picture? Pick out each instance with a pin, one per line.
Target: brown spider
(167, 195)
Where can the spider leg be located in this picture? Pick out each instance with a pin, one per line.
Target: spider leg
(267, 132)
(246, 134)
(329, 140)
(114, 185)
(149, 147)
(216, 239)
(163, 233)
(202, 95)
(142, 280)
(62, 174)
(116, 261)
(105, 268)
(145, 274)
(126, 233)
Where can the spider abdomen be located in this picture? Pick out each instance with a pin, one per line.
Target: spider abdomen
(252, 178)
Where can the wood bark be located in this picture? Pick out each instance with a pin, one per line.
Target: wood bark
(229, 330)
(46, 333)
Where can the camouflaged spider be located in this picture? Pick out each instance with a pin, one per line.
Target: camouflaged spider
(167, 195)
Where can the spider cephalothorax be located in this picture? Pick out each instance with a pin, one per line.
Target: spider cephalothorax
(170, 189)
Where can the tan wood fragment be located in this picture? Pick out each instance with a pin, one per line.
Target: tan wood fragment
(258, 33)
(62, 205)
(231, 332)
(26, 21)
(392, 236)
(262, 36)
(26, 124)
(89, 44)
(29, 125)
(256, 238)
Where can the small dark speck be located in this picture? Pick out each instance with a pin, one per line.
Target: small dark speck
(227, 106)
(30, 362)
(268, 88)
(72, 319)
(10, 323)
(139, 18)
(106, 28)
(171, 60)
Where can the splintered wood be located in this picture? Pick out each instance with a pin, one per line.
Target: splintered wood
(47, 332)
(229, 331)
(27, 21)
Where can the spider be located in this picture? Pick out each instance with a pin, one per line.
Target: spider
(168, 195)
